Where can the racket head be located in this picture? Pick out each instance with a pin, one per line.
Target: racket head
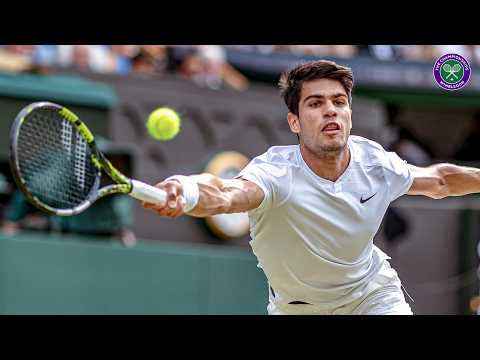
(456, 68)
(51, 159)
(446, 67)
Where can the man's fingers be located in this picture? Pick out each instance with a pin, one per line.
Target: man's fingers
(173, 206)
(170, 213)
(171, 200)
(176, 208)
(152, 205)
(155, 207)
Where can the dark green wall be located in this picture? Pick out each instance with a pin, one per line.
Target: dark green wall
(48, 274)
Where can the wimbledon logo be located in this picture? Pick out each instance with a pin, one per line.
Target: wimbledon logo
(451, 72)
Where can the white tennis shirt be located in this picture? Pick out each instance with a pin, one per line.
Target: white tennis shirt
(313, 238)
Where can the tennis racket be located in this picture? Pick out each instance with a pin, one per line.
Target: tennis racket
(57, 165)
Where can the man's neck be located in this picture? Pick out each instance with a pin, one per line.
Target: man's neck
(328, 165)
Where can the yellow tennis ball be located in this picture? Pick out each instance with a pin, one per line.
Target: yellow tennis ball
(163, 124)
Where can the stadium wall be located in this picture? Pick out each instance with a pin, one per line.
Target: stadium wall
(49, 274)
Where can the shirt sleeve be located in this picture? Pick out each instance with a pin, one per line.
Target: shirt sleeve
(271, 177)
(399, 177)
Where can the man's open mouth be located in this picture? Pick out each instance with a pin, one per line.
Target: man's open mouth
(331, 128)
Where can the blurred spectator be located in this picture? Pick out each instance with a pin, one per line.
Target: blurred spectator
(108, 217)
(37, 54)
(207, 66)
(123, 55)
(241, 47)
(97, 58)
(313, 50)
(383, 52)
(416, 52)
(281, 48)
(464, 50)
(27, 58)
(394, 52)
(16, 58)
(25, 50)
(267, 49)
(476, 54)
(214, 59)
(344, 51)
(20, 214)
(419, 53)
(150, 59)
(45, 55)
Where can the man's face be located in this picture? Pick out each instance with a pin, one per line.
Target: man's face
(324, 116)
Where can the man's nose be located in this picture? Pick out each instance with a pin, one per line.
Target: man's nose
(330, 109)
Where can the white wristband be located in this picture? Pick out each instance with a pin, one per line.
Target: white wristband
(191, 193)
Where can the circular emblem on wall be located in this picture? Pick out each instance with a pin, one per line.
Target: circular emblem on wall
(227, 165)
(451, 72)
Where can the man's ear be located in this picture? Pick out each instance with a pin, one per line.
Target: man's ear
(293, 122)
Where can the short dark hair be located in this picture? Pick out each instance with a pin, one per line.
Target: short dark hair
(291, 81)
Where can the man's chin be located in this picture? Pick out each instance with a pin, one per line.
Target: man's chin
(332, 149)
(333, 146)
(327, 146)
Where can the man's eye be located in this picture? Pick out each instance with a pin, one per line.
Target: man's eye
(314, 104)
(340, 102)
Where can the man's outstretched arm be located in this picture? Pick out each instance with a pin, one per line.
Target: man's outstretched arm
(442, 180)
(215, 196)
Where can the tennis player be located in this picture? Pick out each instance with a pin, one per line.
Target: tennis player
(315, 207)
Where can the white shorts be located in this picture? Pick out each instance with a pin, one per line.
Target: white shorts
(386, 299)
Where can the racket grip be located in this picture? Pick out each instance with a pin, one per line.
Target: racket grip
(148, 193)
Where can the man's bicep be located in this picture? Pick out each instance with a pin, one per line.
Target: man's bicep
(244, 195)
(425, 181)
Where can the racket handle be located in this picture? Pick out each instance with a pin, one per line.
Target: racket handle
(148, 193)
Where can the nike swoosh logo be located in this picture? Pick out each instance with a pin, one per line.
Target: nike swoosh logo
(362, 200)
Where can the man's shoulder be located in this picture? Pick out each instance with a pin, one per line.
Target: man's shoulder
(367, 152)
(365, 143)
(281, 155)
(272, 170)
(370, 153)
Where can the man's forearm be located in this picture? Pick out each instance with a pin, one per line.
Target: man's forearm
(206, 195)
(225, 196)
(458, 180)
(213, 200)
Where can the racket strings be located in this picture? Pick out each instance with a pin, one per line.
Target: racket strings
(54, 160)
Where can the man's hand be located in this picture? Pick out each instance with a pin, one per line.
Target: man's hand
(175, 203)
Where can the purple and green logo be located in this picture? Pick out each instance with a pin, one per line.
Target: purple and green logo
(451, 72)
